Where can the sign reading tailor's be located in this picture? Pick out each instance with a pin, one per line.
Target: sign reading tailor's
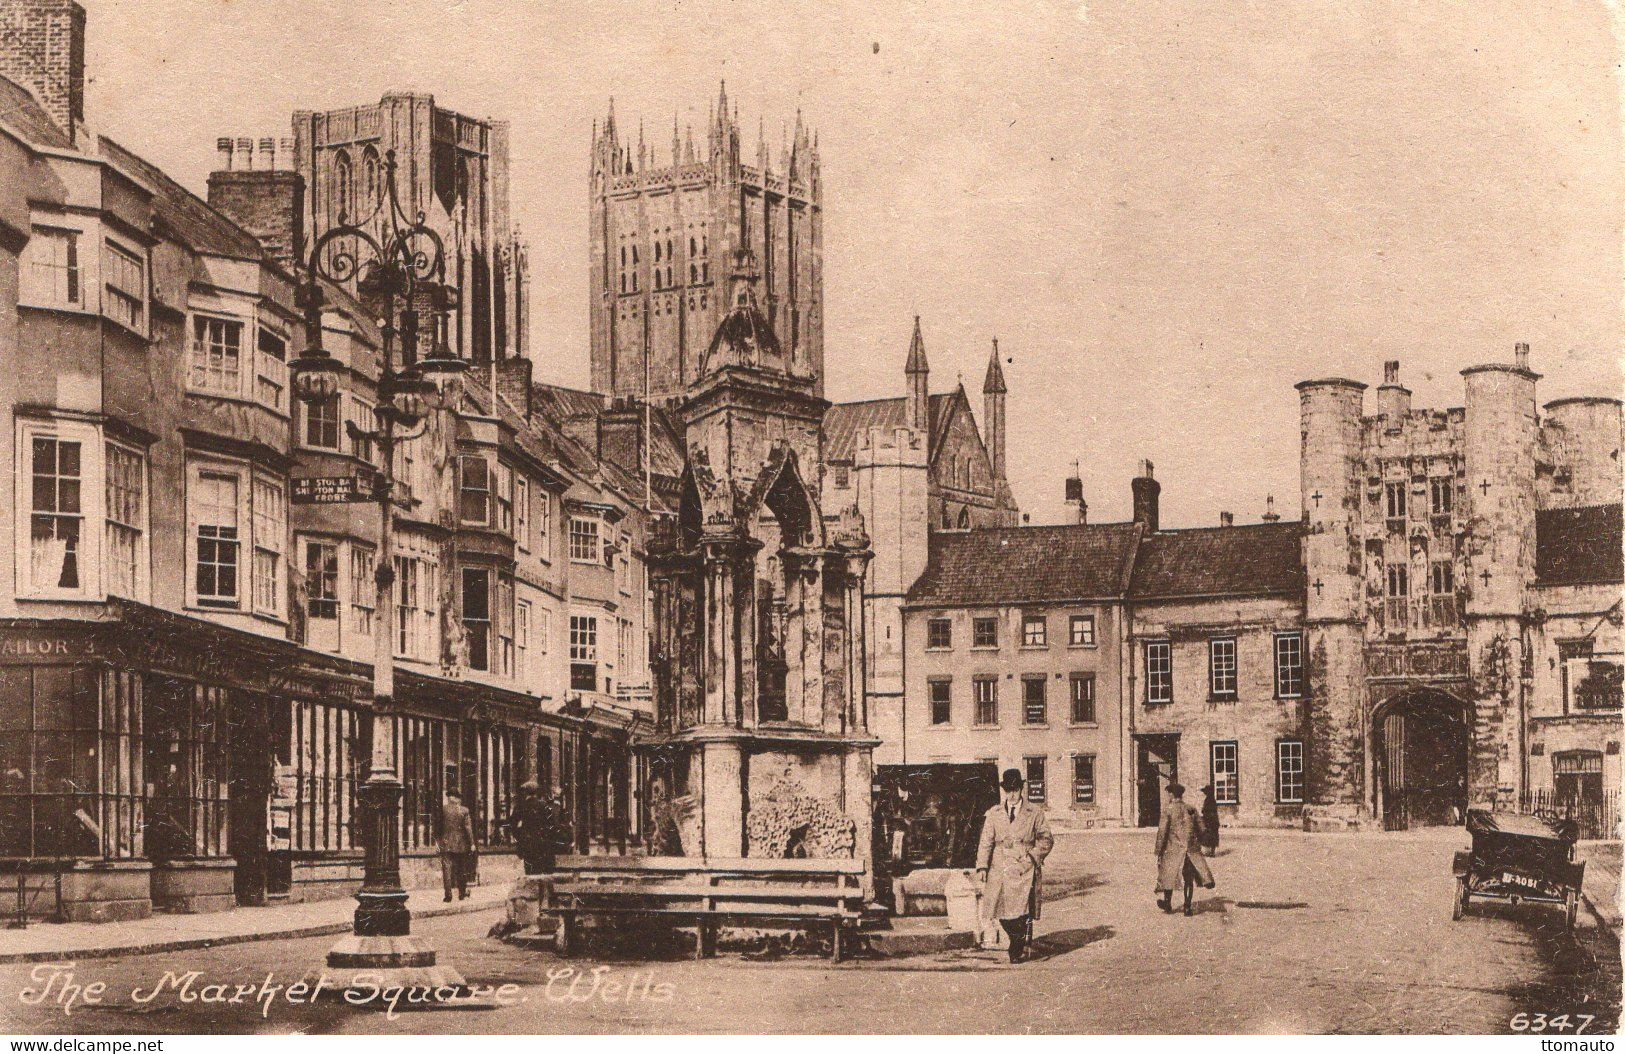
(332, 490)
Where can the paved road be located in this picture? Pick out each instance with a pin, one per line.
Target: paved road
(1319, 933)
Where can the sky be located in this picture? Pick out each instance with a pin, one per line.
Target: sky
(1167, 213)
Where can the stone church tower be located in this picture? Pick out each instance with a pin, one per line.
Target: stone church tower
(664, 230)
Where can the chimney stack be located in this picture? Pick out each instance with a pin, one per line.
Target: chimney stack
(1270, 515)
(44, 51)
(223, 147)
(1520, 354)
(1227, 519)
(1393, 398)
(1076, 506)
(1146, 491)
(267, 153)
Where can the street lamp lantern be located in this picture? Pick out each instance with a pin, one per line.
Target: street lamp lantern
(396, 265)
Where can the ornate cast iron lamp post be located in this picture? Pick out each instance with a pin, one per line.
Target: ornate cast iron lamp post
(399, 265)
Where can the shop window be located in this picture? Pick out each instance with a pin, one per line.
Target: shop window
(188, 767)
(325, 750)
(72, 775)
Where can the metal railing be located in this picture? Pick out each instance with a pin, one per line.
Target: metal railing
(1594, 817)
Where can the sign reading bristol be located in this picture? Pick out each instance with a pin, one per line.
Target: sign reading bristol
(333, 490)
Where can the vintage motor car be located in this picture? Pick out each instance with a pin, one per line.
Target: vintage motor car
(1518, 858)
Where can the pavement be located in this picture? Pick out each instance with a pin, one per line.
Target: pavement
(50, 942)
(1304, 933)
(1600, 891)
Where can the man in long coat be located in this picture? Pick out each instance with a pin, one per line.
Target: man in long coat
(1010, 862)
(456, 846)
(535, 829)
(1179, 852)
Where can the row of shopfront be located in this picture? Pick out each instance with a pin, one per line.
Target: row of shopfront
(150, 761)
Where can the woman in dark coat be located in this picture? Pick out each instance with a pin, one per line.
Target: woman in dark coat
(1210, 821)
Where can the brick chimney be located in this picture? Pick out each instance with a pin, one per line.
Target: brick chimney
(42, 48)
(267, 202)
(1146, 490)
(513, 381)
(1077, 508)
(1270, 515)
(1227, 519)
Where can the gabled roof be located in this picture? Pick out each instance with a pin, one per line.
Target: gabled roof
(1026, 565)
(1578, 546)
(20, 110)
(187, 217)
(563, 403)
(845, 424)
(1256, 559)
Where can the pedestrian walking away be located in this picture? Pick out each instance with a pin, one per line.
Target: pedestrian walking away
(534, 828)
(456, 846)
(1180, 863)
(1010, 862)
(1210, 821)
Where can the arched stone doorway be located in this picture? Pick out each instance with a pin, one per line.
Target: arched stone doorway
(1422, 741)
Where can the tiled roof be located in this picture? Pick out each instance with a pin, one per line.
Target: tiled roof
(563, 403)
(1025, 565)
(1248, 560)
(1578, 546)
(187, 216)
(845, 424)
(21, 111)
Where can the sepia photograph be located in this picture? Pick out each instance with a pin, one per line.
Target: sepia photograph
(1036, 517)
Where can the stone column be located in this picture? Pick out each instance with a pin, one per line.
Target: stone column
(721, 641)
(793, 643)
(857, 642)
(722, 800)
(811, 676)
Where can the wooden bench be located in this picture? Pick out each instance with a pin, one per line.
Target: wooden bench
(706, 893)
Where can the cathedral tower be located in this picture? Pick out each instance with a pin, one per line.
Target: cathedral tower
(664, 228)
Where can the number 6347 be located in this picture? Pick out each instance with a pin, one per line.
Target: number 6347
(1576, 1023)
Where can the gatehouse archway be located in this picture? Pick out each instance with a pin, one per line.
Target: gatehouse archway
(1422, 740)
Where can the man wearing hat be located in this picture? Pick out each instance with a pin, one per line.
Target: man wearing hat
(534, 833)
(1010, 862)
(1180, 862)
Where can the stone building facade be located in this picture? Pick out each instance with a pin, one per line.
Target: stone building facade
(1455, 560)
(185, 650)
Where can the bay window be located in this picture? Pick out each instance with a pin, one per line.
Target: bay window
(476, 602)
(51, 274)
(321, 429)
(502, 491)
(126, 478)
(321, 580)
(217, 540)
(474, 491)
(56, 515)
(584, 653)
(216, 355)
(270, 530)
(124, 279)
(271, 370)
(363, 590)
(584, 541)
(521, 511)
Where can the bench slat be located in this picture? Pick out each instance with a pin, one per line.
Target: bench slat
(733, 910)
(711, 865)
(684, 889)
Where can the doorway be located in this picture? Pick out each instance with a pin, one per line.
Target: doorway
(1156, 764)
(1422, 745)
(248, 827)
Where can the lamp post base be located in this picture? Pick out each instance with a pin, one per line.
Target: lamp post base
(359, 967)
